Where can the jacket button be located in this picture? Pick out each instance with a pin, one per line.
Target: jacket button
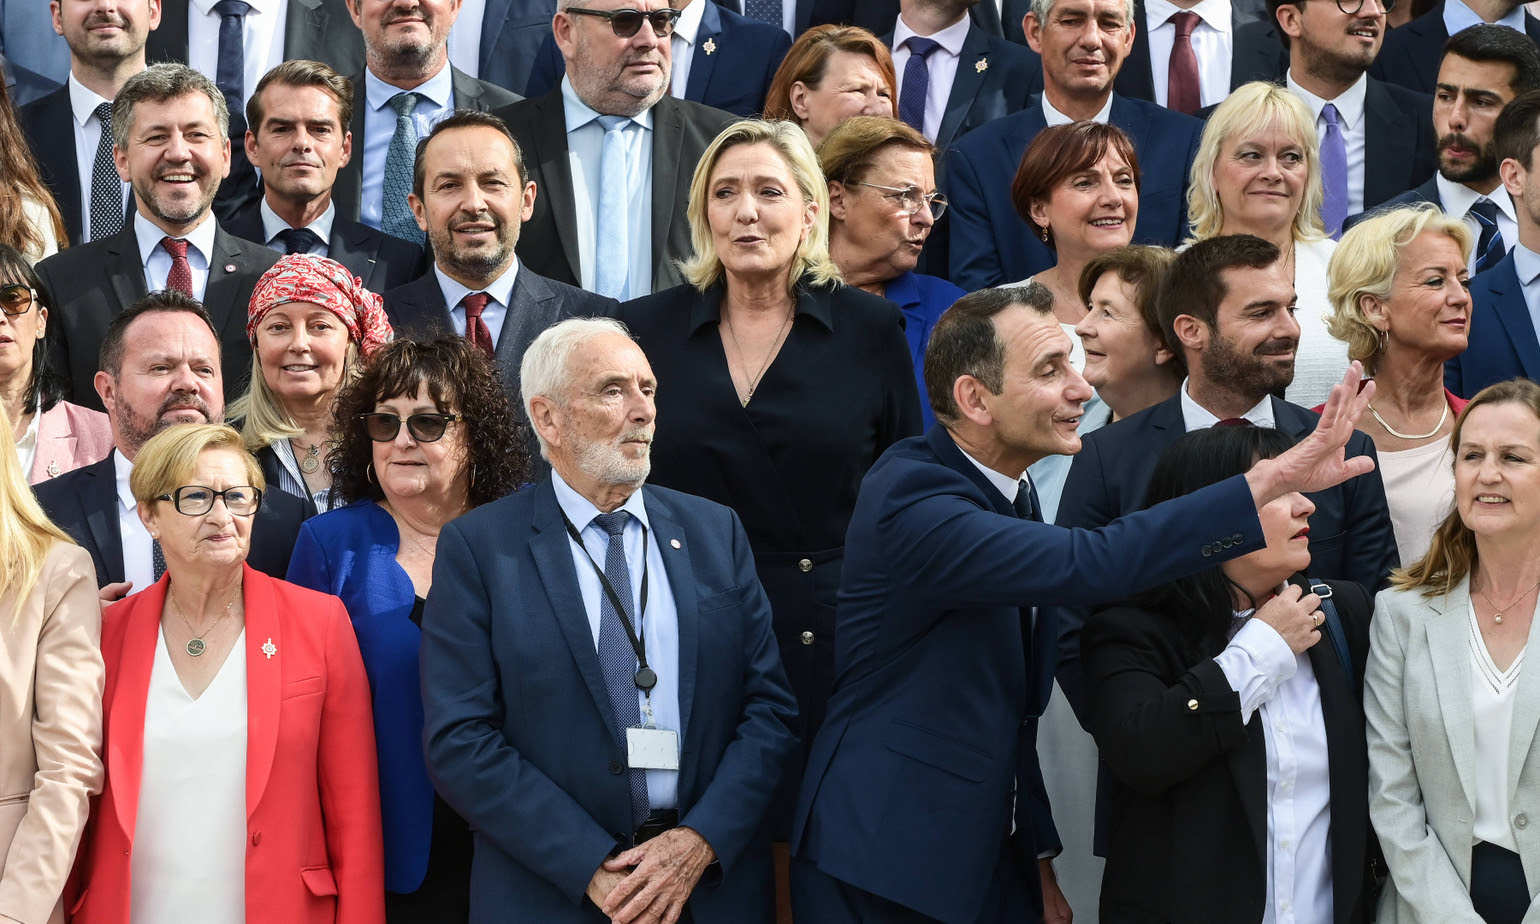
(256, 838)
(1238, 538)
(1192, 704)
(1208, 551)
(805, 565)
(616, 767)
(1521, 820)
(1226, 543)
(807, 638)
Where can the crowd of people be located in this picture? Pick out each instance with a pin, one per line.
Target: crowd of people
(917, 460)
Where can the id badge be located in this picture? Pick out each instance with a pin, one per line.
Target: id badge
(652, 748)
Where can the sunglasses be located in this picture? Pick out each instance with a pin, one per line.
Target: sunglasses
(17, 299)
(627, 23)
(425, 428)
(195, 500)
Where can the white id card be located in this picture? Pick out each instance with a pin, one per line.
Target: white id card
(652, 748)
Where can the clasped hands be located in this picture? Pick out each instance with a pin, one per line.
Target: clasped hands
(652, 881)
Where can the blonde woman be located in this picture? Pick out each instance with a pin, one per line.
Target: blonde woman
(1258, 171)
(51, 678)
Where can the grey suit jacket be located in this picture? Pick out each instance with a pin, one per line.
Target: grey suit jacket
(1422, 756)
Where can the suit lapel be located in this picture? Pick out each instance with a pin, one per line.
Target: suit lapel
(674, 548)
(667, 140)
(467, 92)
(1383, 121)
(1137, 78)
(124, 268)
(524, 311)
(264, 682)
(307, 21)
(125, 714)
(99, 498)
(1347, 763)
(222, 292)
(348, 191)
(1248, 767)
(965, 86)
(549, 137)
(987, 18)
(1526, 713)
(492, 19)
(348, 248)
(57, 137)
(701, 63)
(1511, 311)
(1448, 631)
(168, 41)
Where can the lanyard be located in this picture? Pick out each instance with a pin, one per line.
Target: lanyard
(646, 678)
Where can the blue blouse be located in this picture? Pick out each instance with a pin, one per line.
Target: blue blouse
(922, 299)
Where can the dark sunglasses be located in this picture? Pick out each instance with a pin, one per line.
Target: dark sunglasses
(17, 299)
(425, 428)
(627, 23)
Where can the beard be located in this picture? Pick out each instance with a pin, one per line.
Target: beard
(474, 262)
(607, 464)
(178, 212)
(136, 429)
(1249, 375)
(1481, 169)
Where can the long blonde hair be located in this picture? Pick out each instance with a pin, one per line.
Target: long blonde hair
(26, 533)
(263, 419)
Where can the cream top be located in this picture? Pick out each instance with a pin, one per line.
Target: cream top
(1419, 489)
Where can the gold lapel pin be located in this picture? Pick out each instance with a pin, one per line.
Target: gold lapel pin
(269, 649)
(982, 65)
(709, 46)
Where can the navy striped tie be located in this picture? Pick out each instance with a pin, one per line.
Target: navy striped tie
(1489, 247)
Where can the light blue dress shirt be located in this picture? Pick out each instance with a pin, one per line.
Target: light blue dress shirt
(1458, 16)
(501, 291)
(272, 226)
(1527, 264)
(585, 142)
(380, 126)
(157, 262)
(660, 622)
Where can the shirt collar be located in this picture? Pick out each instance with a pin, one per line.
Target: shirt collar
(122, 468)
(501, 288)
(707, 309)
(1197, 417)
(1005, 484)
(1215, 13)
(83, 102)
(1526, 263)
(28, 439)
(322, 226)
(439, 89)
(579, 509)
(689, 21)
(206, 7)
(579, 113)
(951, 38)
(1457, 198)
(149, 236)
(1350, 104)
(1055, 117)
(1458, 16)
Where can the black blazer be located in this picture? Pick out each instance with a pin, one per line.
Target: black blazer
(1427, 192)
(49, 124)
(1007, 24)
(1189, 811)
(92, 283)
(469, 93)
(681, 132)
(1412, 53)
(84, 503)
(1256, 53)
(1400, 147)
(381, 261)
(272, 473)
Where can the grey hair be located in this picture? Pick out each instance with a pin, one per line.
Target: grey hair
(158, 83)
(544, 370)
(1041, 9)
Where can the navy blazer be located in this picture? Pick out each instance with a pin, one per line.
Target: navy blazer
(749, 53)
(1427, 192)
(1412, 53)
(995, 77)
(991, 245)
(1502, 342)
(908, 792)
(381, 261)
(351, 553)
(519, 732)
(922, 300)
(1257, 53)
(511, 33)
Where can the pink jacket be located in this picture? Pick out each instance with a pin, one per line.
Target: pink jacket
(68, 437)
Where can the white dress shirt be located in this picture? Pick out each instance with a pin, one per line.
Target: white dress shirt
(1321, 359)
(585, 144)
(501, 291)
(262, 33)
(465, 37)
(1197, 417)
(380, 127)
(138, 552)
(682, 47)
(157, 262)
(1350, 118)
(272, 226)
(1212, 41)
(1458, 16)
(26, 447)
(1493, 692)
(942, 64)
(1527, 264)
(1055, 117)
(88, 134)
(659, 622)
(1457, 199)
(1280, 685)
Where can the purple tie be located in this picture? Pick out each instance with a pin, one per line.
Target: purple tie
(1334, 174)
(911, 96)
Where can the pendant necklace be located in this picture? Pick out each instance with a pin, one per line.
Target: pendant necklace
(1498, 611)
(769, 355)
(195, 645)
(1412, 436)
(312, 460)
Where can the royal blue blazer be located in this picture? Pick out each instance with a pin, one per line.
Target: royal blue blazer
(1502, 342)
(922, 299)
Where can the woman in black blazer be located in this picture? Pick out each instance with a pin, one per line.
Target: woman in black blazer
(778, 387)
(1227, 709)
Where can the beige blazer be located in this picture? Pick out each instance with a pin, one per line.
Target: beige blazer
(1422, 751)
(51, 677)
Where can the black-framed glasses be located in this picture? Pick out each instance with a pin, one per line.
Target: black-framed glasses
(909, 198)
(194, 500)
(1352, 7)
(17, 299)
(627, 23)
(425, 428)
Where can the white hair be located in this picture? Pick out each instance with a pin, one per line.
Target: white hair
(545, 369)
(1041, 9)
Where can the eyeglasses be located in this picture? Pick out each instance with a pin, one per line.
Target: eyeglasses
(425, 428)
(627, 23)
(195, 500)
(910, 198)
(1351, 7)
(16, 299)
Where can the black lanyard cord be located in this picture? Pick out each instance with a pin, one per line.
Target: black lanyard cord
(646, 678)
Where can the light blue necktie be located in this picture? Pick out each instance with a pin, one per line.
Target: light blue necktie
(612, 239)
(616, 656)
(395, 214)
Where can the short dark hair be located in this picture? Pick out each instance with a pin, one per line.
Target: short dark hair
(1517, 130)
(157, 84)
(302, 73)
(965, 342)
(466, 118)
(1489, 42)
(46, 388)
(1061, 151)
(1141, 267)
(111, 358)
(1195, 285)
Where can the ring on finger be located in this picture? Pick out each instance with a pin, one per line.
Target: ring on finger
(1319, 618)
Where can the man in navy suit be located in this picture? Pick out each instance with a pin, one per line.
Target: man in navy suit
(923, 799)
(1410, 56)
(603, 697)
(1083, 44)
(1254, 52)
(1502, 342)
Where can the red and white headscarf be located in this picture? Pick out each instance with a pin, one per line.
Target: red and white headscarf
(303, 277)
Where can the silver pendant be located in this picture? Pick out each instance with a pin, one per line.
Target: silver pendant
(196, 647)
(310, 464)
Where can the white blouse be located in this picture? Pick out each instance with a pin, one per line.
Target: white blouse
(189, 862)
(1419, 489)
(1492, 698)
(1321, 359)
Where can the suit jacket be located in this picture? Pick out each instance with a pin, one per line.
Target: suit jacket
(1412, 53)
(35, 57)
(811, 13)
(511, 34)
(991, 245)
(1256, 53)
(469, 93)
(1422, 754)
(51, 737)
(84, 503)
(1190, 815)
(1006, 24)
(518, 722)
(995, 78)
(381, 261)
(49, 124)
(92, 283)
(1351, 538)
(68, 437)
(942, 669)
(1400, 146)
(681, 132)
(755, 50)
(312, 799)
(1502, 343)
(1427, 192)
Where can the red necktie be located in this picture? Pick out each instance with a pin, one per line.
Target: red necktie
(1234, 422)
(1182, 90)
(180, 277)
(476, 330)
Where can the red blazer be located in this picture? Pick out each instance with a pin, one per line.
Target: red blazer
(314, 851)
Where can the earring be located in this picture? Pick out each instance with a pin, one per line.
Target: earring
(369, 473)
(1384, 337)
(1044, 234)
(473, 476)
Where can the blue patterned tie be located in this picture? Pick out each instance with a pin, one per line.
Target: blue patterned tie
(106, 185)
(764, 11)
(230, 72)
(1489, 247)
(911, 96)
(612, 239)
(1334, 174)
(616, 656)
(395, 214)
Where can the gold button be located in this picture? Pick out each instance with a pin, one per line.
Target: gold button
(1192, 704)
(805, 564)
(807, 638)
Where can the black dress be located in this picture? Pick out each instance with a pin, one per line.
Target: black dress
(790, 463)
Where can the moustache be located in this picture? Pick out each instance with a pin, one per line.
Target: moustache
(1277, 346)
(106, 19)
(1454, 138)
(643, 434)
(185, 403)
(415, 13)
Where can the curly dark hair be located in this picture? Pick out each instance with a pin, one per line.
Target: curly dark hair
(456, 376)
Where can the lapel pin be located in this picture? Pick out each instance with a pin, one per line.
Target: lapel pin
(229, 267)
(269, 649)
(709, 46)
(982, 65)
(674, 543)
(53, 469)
